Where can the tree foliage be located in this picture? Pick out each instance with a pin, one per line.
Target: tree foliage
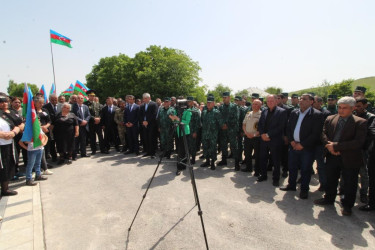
(273, 90)
(218, 91)
(242, 93)
(159, 71)
(343, 88)
(15, 89)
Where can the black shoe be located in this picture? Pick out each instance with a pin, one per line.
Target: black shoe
(246, 170)
(288, 188)
(54, 159)
(152, 156)
(367, 208)
(129, 152)
(321, 189)
(237, 165)
(86, 155)
(213, 165)
(9, 193)
(275, 183)
(242, 162)
(137, 153)
(261, 178)
(323, 202)
(61, 161)
(256, 174)
(118, 149)
(178, 172)
(104, 152)
(222, 163)
(145, 155)
(201, 157)
(93, 153)
(346, 211)
(206, 164)
(304, 194)
(74, 158)
(284, 174)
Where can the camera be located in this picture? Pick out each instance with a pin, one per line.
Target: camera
(181, 106)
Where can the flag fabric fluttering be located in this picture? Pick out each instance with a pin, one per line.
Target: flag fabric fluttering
(53, 89)
(25, 100)
(81, 89)
(32, 125)
(60, 39)
(69, 91)
(44, 93)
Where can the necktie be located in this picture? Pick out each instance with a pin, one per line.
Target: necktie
(131, 108)
(55, 108)
(81, 111)
(340, 125)
(110, 110)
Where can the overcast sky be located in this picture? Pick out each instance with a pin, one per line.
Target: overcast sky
(289, 44)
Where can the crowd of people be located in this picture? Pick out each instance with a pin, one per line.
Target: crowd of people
(279, 136)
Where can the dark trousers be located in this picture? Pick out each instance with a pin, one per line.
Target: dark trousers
(111, 136)
(96, 130)
(284, 157)
(265, 148)
(132, 135)
(303, 160)
(149, 136)
(80, 141)
(335, 167)
(250, 145)
(50, 148)
(371, 177)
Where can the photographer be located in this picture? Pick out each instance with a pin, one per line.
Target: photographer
(185, 115)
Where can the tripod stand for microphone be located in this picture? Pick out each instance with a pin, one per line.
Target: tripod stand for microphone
(181, 126)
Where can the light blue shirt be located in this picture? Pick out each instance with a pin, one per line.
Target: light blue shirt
(298, 125)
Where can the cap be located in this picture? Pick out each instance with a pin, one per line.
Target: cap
(190, 98)
(167, 99)
(210, 94)
(285, 94)
(332, 97)
(294, 96)
(360, 89)
(91, 92)
(261, 99)
(255, 95)
(226, 94)
(210, 99)
(238, 98)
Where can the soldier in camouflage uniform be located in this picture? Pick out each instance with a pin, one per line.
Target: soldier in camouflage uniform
(119, 119)
(94, 123)
(242, 113)
(211, 124)
(332, 107)
(165, 126)
(229, 130)
(195, 124)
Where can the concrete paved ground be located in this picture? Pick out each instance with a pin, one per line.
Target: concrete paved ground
(91, 203)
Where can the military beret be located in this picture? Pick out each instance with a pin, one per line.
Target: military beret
(332, 97)
(261, 99)
(255, 95)
(210, 99)
(360, 89)
(285, 94)
(226, 94)
(190, 98)
(91, 92)
(238, 98)
(210, 94)
(167, 99)
(294, 96)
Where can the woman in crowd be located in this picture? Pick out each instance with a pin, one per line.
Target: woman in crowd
(16, 106)
(65, 128)
(45, 123)
(8, 156)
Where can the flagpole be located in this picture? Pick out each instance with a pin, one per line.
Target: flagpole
(53, 68)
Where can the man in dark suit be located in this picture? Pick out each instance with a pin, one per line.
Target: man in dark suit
(303, 130)
(107, 120)
(53, 109)
(83, 115)
(343, 136)
(131, 120)
(147, 119)
(271, 128)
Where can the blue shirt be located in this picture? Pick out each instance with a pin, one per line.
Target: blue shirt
(298, 125)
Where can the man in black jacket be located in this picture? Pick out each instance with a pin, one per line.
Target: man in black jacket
(147, 119)
(303, 130)
(83, 115)
(107, 120)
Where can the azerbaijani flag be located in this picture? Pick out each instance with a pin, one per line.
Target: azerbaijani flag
(32, 126)
(25, 100)
(81, 89)
(60, 39)
(53, 89)
(69, 91)
(43, 91)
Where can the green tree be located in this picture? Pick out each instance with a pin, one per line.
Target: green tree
(273, 90)
(218, 91)
(344, 88)
(15, 89)
(159, 71)
(242, 93)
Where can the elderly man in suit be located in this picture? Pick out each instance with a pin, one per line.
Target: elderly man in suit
(83, 116)
(147, 119)
(131, 120)
(303, 130)
(53, 109)
(107, 121)
(271, 128)
(343, 136)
